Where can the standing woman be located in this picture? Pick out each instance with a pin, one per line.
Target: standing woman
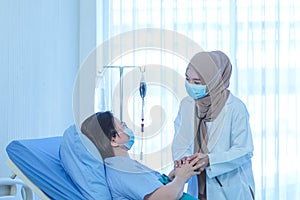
(213, 125)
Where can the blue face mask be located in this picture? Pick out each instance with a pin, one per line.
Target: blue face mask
(130, 142)
(195, 91)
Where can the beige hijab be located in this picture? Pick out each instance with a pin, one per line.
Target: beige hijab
(214, 70)
(92, 129)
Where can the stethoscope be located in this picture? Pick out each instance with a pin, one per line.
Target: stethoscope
(199, 140)
(198, 129)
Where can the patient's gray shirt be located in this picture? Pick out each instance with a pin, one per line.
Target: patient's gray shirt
(129, 179)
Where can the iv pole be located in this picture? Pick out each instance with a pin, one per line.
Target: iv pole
(142, 90)
(121, 68)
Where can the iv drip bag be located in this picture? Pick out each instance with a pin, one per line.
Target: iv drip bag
(143, 87)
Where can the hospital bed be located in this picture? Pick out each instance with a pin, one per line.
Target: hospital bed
(14, 189)
(37, 163)
(62, 167)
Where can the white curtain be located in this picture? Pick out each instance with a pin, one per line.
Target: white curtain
(260, 37)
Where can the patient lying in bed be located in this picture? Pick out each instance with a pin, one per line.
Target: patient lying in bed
(127, 178)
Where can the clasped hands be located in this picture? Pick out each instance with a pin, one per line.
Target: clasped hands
(202, 161)
(190, 165)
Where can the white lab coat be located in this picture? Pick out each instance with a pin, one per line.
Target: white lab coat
(230, 148)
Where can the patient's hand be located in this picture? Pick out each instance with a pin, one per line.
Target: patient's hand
(203, 160)
(171, 175)
(188, 169)
(178, 163)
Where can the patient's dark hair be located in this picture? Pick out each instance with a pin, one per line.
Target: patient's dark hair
(106, 121)
(100, 129)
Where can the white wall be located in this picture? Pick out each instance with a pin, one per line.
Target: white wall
(39, 59)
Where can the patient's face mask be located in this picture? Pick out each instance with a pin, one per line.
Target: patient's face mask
(195, 91)
(123, 130)
(130, 142)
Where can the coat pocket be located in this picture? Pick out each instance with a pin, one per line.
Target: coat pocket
(238, 192)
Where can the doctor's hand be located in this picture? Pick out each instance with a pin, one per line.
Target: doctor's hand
(202, 160)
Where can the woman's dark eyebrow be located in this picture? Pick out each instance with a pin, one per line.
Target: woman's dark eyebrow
(194, 79)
